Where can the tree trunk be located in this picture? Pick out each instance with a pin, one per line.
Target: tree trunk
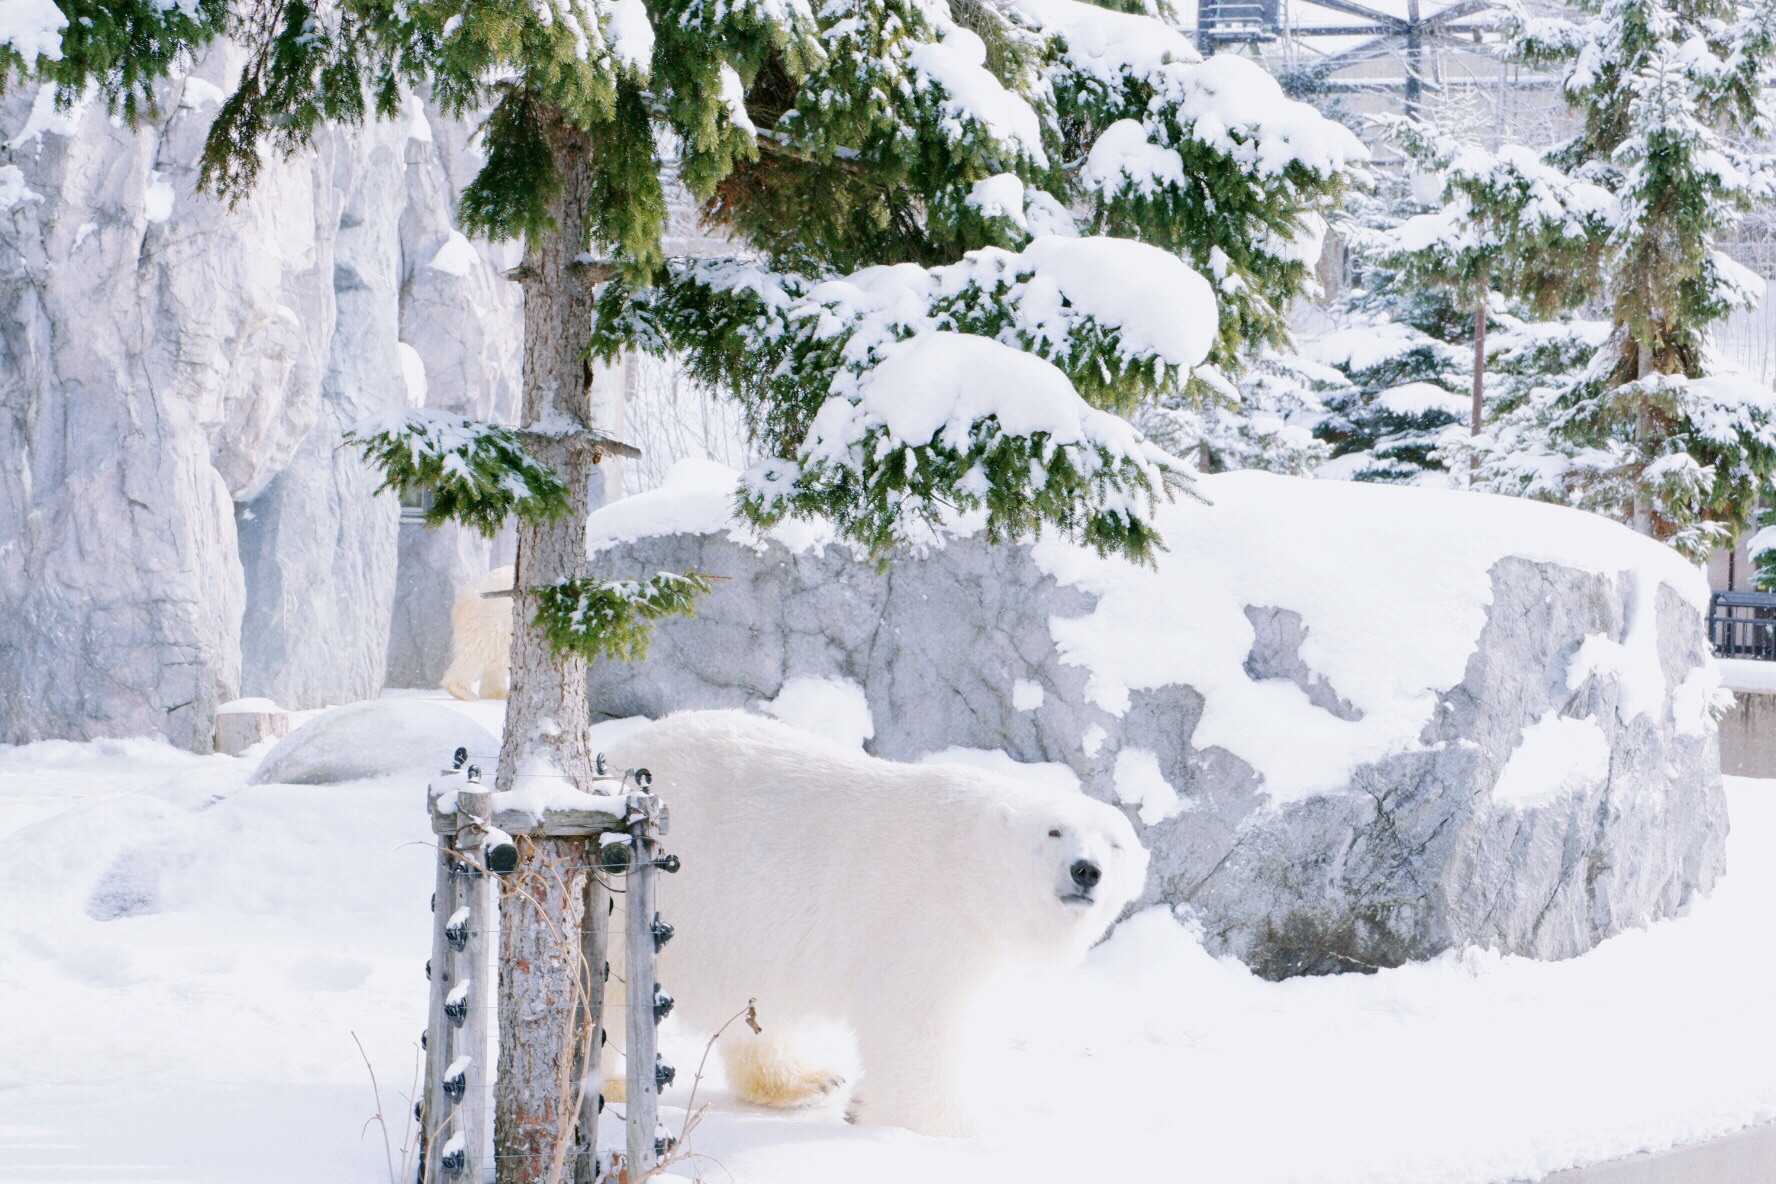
(1479, 369)
(547, 717)
(544, 1034)
(1643, 432)
(1479, 406)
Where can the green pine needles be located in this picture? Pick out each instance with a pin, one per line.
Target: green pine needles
(613, 618)
(475, 473)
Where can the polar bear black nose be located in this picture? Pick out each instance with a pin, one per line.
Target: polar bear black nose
(1086, 874)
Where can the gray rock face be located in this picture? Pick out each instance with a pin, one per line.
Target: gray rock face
(177, 523)
(1430, 845)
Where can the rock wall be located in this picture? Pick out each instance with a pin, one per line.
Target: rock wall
(177, 523)
(1316, 795)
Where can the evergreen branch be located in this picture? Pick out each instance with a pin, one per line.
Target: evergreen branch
(612, 618)
(477, 473)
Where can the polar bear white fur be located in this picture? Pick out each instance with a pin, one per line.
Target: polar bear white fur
(481, 638)
(833, 886)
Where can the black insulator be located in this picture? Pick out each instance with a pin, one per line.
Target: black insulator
(422, 1039)
(603, 1037)
(455, 1086)
(460, 758)
(662, 1004)
(662, 933)
(615, 858)
(428, 970)
(663, 1073)
(662, 1145)
(610, 906)
(643, 778)
(474, 774)
(457, 935)
(607, 972)
(457, 1010)
(454, 1161)
(502, 858)
(598, 765)
(419, 1112)
(434, 902)
(668, 864)
(601, 1103)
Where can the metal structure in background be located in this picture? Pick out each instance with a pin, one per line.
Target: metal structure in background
(1414, 40)
(1743, 625)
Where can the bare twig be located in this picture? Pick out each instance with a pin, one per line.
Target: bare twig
(388, 1151)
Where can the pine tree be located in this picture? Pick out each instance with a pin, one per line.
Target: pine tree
(1658, 433)
(1395, 356)
(917, 328)
(1508, 227)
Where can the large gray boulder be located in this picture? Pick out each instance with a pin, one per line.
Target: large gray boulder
(1355, 724)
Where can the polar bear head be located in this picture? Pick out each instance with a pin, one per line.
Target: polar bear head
(1067, 866)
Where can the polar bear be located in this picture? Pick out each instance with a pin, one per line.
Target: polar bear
(833, 886)
(481, 638)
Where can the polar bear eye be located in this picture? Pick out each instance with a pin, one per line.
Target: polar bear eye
(1054, 834)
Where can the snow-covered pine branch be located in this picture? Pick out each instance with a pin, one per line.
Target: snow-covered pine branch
(901, 395)
(612, 618)
(477, 473)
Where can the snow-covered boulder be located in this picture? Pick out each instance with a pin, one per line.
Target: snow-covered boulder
(375, 738)
(1356, 724)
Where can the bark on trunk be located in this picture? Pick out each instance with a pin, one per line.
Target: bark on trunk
(1479, 368)
(1643, 432)
(542, 953)
(1479, 373)
(543, 1038)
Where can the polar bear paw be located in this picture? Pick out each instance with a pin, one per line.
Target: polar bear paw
(767, 1073)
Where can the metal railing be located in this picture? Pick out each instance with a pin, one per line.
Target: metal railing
(1743, 625)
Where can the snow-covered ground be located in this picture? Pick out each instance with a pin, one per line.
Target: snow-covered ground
(185, 960)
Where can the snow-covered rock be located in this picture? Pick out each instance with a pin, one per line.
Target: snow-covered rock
(1356, 724)
(178, 525)
(372, 739)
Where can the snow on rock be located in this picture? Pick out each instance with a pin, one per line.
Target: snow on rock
(1328, 679)
(374, 738)
(835, 708)
(1557, 755)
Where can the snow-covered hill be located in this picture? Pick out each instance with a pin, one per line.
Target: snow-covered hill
(187, 959)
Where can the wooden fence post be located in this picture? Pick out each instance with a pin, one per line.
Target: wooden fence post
(454, 1106)
(589, 1027)
(646, 1072)
(435, 1114)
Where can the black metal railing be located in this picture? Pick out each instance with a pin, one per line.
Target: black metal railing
(1743, 625)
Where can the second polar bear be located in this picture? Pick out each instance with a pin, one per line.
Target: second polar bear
(833, 886)
(481, 638)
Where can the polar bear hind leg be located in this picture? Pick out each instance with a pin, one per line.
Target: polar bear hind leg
(761, 1070)
(769, 1071)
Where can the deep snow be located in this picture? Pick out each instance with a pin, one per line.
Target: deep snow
(186, 958)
